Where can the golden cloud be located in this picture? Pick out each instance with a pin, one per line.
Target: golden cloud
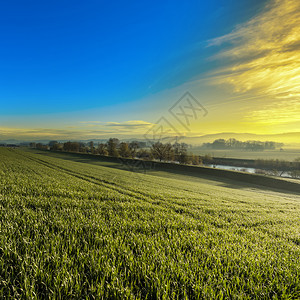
(264, 59)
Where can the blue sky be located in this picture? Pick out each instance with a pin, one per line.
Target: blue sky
(72, 60)
(69, 55)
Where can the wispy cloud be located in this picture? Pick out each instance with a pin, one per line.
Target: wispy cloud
(266, 51)
(263, 58)
(98, 130)
(130, 124)
(91, 122)
(47, 133)
(277, 112)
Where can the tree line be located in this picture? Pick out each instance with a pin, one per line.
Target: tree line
(248, 145)
(177, 152)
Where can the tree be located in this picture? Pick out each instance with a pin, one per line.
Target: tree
(91, 145)
(231, 143)
(40, 146)
(207, 159)
(162, 151)
(158, 151)
(169, 152)
(112, 146)
(52, 143)
(219, 144)
(71, 146)
(57, 147)
(124, 150)
(102, 149)
(248, 145)
(180, 151)
(183, 158)
(195, 160)
(133, 146)
(83, 148)
(294, 173)
(144, 154)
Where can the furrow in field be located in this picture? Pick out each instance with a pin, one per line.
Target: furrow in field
(102, 182)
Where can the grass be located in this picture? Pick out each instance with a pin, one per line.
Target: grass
(75, 230)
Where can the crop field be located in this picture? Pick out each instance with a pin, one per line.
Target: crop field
(78, 230)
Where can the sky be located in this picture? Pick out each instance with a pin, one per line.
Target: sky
(97, 69)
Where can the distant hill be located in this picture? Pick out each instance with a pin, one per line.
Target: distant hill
(290, 139)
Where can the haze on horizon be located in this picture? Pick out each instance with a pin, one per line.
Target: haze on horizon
(74, 70)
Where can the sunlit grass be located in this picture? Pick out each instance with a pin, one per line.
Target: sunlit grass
(75, 230)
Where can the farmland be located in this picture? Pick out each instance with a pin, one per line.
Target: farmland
(286, 154)
(86, 229)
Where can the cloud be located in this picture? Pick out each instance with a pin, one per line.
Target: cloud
(130, 124)
(49, 133)
(98, 130)
(90, 122)
(263, 58)
(277, 112)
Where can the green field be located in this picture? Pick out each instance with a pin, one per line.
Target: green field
(286, 154)
(74, 228)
